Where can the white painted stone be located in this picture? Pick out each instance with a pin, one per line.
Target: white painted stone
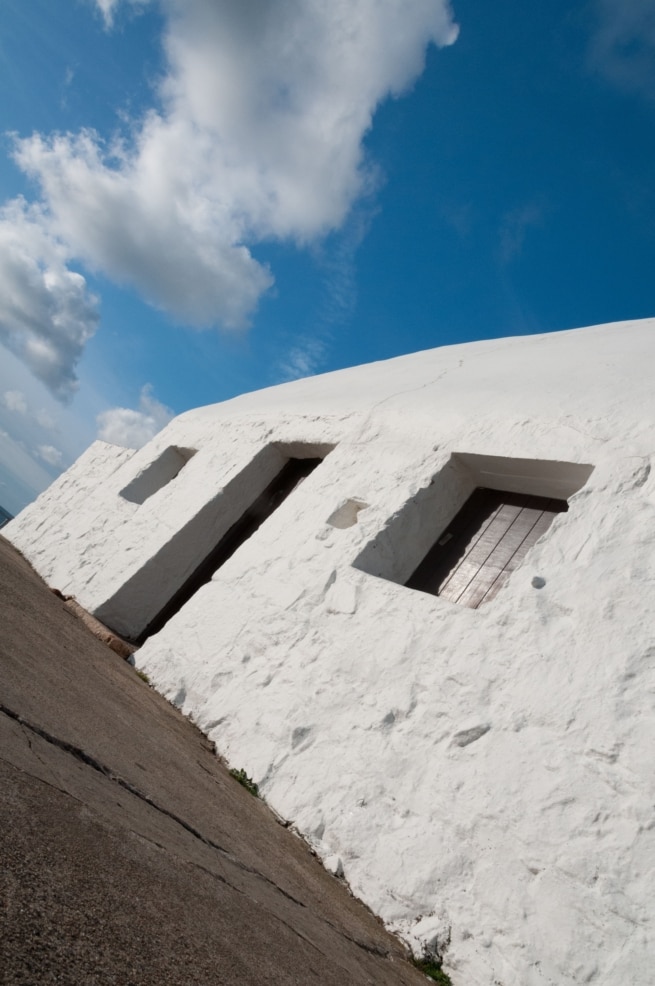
(334, 864)
(485, 777)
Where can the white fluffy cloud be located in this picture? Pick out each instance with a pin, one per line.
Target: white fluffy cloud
(125, 426)
(46, 311)
(259, 135)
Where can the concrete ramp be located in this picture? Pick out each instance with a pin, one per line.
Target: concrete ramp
(130, 855)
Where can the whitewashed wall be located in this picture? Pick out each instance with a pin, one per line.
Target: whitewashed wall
(484, 778)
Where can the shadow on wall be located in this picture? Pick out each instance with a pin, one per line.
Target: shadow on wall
(188, 560)
(157, 474)
(502, 526)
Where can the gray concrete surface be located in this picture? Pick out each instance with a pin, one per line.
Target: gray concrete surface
(129, 856)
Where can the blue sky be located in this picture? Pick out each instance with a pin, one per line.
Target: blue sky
(205, 197)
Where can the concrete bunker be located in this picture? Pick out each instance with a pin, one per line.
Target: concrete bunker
(168, 580)
(463, 534)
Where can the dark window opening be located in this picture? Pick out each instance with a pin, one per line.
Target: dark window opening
(287, 480)
(487, 540)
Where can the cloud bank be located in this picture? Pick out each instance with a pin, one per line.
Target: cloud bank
(257, 135)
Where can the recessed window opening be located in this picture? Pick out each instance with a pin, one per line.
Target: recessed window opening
(288, 479)
(472, 523)
(486, 541)
(209, 534)
(157, 474)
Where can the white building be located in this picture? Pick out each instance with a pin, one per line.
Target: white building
(484, 776)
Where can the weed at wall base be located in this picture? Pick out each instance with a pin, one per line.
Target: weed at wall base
(245, 781)
(432, 968)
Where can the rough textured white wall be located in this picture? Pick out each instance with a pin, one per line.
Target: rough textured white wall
(484, 777)
(61, 529)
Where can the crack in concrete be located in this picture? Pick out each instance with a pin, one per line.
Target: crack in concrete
(95, 764)
(111, 775)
